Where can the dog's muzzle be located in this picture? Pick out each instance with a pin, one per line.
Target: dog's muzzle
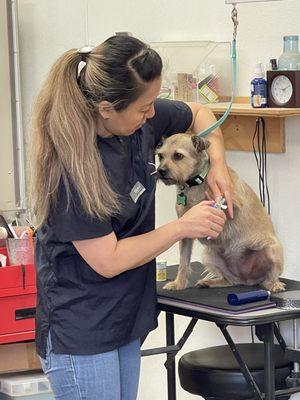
(163, 173)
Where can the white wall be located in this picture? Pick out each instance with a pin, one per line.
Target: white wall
(7, 182)
(47, 28)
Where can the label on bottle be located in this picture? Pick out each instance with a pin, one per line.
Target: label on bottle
(258, 100)
(259, 94)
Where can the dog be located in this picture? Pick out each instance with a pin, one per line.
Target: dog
(247, 251)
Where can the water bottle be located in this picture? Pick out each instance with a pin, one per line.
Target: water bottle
(290, 58)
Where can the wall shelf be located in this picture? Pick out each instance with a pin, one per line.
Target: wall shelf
(239, 127)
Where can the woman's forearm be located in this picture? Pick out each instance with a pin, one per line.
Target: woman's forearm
(138, 250)
(109, 256)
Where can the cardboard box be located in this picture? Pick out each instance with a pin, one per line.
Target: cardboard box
(18, 357)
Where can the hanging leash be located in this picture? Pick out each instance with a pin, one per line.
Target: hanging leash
(234, 75)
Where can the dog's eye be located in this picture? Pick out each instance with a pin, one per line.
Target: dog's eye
(178, 156)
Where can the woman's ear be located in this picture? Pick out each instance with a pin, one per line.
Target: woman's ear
(106, 109)
(199, 143)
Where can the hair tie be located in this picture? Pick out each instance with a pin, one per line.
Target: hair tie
(84, 51)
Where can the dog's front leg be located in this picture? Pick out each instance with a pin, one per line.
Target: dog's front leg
(184, 270)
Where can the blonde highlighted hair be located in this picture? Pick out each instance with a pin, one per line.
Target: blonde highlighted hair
(63, 127)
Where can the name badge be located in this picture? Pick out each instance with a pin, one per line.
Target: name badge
(137, 190)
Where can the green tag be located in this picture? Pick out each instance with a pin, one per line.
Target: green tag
(181, 199)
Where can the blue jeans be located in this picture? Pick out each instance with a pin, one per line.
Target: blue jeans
(113, 375)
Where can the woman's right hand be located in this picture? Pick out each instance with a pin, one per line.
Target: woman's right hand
(202, 220)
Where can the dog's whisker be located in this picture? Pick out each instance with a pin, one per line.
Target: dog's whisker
(155, 166)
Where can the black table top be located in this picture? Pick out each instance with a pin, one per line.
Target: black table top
(211, 303)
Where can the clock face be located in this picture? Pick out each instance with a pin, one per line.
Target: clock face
(281, 89)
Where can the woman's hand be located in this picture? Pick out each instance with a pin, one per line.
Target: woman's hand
(220, 184)
(201, 221)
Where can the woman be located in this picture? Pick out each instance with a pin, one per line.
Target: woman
(94, 130)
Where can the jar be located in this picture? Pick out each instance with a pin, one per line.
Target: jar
(161, 270)
(290, 58)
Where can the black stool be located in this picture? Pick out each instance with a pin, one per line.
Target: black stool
(214, 374)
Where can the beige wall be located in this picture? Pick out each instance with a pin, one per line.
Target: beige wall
(49, 27)
(7, 189)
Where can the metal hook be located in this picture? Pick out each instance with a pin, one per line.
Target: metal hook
(234, 15)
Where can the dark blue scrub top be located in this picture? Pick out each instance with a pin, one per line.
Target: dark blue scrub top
(86, 312)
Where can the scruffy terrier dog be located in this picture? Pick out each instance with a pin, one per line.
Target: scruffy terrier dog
(247, 251)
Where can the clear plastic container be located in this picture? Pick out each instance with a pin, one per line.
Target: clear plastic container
(290, 58)
(24, 384)
(42, 396)
(197, 71)
(20, 251)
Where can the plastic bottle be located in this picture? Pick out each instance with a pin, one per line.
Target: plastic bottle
(259, 88)
(290, 58)
(161, 270)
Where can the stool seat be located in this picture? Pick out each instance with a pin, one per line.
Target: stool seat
(214, 373)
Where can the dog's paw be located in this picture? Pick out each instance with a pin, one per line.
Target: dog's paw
(204, 283)
(274, 287)
(175, 285)
(214, 282)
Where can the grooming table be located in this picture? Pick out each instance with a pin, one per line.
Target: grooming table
(211, 305)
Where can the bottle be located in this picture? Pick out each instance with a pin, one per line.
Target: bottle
(259, 88)
(273, 64)
(161, 270)
(290, 58)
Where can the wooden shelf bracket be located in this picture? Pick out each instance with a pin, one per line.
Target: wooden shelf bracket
(238, 133)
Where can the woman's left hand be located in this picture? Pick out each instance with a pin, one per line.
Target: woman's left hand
(220, 184)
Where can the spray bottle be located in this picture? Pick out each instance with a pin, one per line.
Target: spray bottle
(259, 88)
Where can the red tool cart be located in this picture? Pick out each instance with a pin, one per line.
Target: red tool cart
(17, 302)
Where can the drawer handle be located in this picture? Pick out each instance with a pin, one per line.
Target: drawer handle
(25, 313)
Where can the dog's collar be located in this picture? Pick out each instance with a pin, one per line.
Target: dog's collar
(199, 179)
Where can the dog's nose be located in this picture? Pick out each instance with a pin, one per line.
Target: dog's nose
(162, 172)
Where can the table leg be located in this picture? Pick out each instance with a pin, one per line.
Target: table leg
(171, 371)
(244, 369)
(266, 334)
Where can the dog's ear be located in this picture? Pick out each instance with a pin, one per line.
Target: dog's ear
(160, 143)
(199, 143)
